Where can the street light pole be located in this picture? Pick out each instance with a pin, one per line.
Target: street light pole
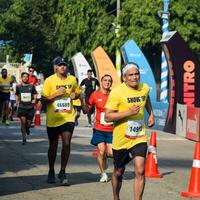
(164, 68)
(118, 55)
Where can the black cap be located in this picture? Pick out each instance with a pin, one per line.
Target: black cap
(58, 60)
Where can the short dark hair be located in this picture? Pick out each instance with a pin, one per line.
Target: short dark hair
(89, 70)
(4, 69)
(31, 67)
(22, 74)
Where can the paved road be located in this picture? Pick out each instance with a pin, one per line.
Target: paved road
(23, 169)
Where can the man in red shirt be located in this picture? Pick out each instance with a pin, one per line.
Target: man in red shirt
(32, 78)
(102, 132)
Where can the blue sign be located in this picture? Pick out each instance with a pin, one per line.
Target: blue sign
(28, 58)
(160, 111)
(132, 53)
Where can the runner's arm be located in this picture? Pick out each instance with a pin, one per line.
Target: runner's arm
(150, 112)
(51, 98)
(34, 98)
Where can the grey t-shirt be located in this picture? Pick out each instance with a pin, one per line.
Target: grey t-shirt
(26, 95)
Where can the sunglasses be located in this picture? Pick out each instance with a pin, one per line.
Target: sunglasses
(62, 64)
(31, 71)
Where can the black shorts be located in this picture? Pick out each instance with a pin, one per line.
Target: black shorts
(77, 108)
(123, 156)
(4, 97)
(26, 112)
(54, 132)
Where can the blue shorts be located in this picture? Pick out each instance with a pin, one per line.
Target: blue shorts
(101, 136)
(13, 102)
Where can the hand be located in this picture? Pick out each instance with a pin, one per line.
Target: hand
(151, 121)
(34, 101)
(134, 110)
(60, 91)
(72, 95)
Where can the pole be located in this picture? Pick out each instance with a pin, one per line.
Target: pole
(118, 55)
(164, 67)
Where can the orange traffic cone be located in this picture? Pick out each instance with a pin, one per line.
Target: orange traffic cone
(194, 186)
(37, 115)
(151, 167)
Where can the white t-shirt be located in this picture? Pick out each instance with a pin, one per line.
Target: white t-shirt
(39, 90)
(12, 91)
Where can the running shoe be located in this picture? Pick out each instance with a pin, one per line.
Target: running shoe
(7, 122)
(3, 120)
(27, 130)
(23, 141)
(76, 123)
(63, 179)
(89, 125)
(51, 177)
(104, 178)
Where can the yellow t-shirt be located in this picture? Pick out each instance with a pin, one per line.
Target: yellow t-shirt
(122, 98)
(61, 110)
(5, 84)
(77, 102)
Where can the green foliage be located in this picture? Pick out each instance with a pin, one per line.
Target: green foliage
(185, 18)
(49, 28)
(139, 21)
(83, 26)
(29, 28)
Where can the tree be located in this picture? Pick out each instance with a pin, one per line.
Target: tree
(29, 28)
(63, 27)
(83, 26)
(185, 18)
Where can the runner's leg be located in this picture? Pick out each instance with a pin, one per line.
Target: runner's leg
(109, 150)
(139, 181)
(66, 147)
(101, 149)
(53, 144)
(117, 181)
(23, 127)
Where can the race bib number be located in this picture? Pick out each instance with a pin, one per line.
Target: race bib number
(102, 120)
(26, 97)
(63, 105)
(135, 129)
(5, 86)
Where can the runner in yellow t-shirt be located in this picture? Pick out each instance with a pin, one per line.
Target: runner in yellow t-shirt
(77, 106)
(58, 92)
(125, 107)
(5, 84)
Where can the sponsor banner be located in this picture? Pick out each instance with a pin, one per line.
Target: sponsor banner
(192, 123)
(132, 53)
(104, 65)
(181, 115)
(80, 65)
(184, 70)
(160, 110)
